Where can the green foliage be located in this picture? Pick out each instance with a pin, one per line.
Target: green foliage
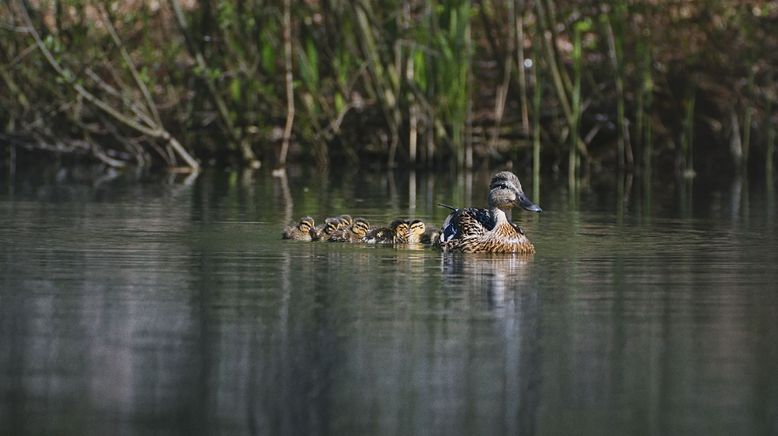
(236, 89)
(451, 66)
(362, 69)
(53, 44)
(269, 57)
(309, 65)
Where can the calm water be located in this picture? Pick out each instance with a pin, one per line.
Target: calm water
(170, 306)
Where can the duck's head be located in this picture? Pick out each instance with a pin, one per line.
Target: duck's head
(505, 193)
(399, 227)
(306, 224)
(360, 227)
(416, 229)
(331, 224)
(346, 221)
(324, 229)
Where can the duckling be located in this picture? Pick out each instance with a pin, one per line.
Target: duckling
(345, 221)
(301, 231)
(355, 233)
(430, 236)
(396, 233)
(325, 229)
(416, 230)
(471, 230)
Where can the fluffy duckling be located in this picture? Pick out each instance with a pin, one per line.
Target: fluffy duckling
(346, 221)
(300, 231)
(396, 233)
(431, 236)
(325, 229)
(355, 233)
(416, 230)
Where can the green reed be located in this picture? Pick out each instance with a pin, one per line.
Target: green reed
(572, 162)
(452, 65)
(614, 28)
(643, 116)
(537, 96)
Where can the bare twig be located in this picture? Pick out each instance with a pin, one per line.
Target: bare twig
(134, 107)
(154, 131)
(130, 64)
(502, 89)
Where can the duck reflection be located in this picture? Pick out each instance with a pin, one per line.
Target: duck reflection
(498, 274)
(503, 284)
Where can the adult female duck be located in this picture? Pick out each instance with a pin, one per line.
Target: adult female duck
(471, 230)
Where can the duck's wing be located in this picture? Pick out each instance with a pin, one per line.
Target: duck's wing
(469, 222)
(518, 229)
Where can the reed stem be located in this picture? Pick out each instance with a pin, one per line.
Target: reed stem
(572, 160)
(687, 141)
(770, 146)
(747, 120)
(536, 100)
(288, 82)
(646, 131)
(520, 11)
(547, 40)
(615, 49)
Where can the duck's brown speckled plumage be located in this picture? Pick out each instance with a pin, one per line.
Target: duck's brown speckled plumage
(416, 229)
(482, 233)
(325, 229)
(354, 233)
(345, 221)
(471, 230)
(396, 233)
(300, 231)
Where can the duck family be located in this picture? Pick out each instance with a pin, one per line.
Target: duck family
(466, 230)
(344, 228)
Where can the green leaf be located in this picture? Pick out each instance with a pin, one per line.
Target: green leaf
(235, 89)
(584, 25)
(268, 58)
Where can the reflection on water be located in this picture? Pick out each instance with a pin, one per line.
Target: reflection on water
(137, 306)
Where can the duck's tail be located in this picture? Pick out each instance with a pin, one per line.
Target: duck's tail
(448, 207)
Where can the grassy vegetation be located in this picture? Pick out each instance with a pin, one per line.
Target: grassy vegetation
(447, 83)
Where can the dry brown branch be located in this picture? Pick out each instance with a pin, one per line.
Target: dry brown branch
(156, 131)
(130, 64)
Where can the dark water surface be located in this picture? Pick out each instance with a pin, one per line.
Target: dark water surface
(157, 306)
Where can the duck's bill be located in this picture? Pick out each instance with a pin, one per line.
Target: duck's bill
(526, 204)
